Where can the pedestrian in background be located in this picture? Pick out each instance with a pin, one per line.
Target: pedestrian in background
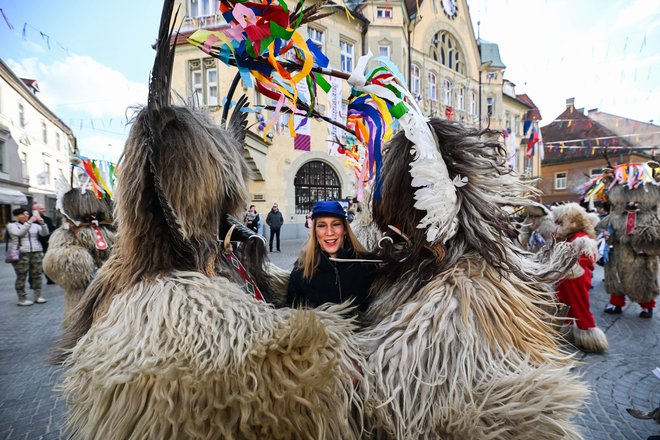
(41, 209)
(24, 234)
(252, 219)
(274, 220)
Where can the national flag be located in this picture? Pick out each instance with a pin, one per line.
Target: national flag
(532, 141)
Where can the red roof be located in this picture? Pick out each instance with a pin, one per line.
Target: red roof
(574, 128)
(534, 114)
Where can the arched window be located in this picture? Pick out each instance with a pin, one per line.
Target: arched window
(315, 181)
(446, 51)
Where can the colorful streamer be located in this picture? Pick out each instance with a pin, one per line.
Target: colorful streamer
(631, 175)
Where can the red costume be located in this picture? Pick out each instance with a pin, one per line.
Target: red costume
(575, 292)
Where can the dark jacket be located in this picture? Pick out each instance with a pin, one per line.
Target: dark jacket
(332, 282)
(44, 240)
(275, 219)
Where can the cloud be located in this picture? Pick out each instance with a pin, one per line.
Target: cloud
(81, 84)
(101, 147)
(637, 12)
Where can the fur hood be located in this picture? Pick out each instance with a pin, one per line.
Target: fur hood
(571, 218)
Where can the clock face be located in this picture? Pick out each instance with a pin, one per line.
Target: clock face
(450, 8)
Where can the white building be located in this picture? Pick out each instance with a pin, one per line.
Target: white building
(34, 146)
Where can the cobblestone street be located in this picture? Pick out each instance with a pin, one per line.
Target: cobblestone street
(622, 378)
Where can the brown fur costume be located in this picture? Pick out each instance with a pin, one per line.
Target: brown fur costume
(459, 345)
(538, 220)
(73, 258)
(576, 227)
(632, 269)
(167, 344)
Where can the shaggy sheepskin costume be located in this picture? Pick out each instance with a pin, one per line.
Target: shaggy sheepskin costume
(168, 344)
(537, 228)
(634, 227)
(575, 227)
(73, 255)
(459, 346)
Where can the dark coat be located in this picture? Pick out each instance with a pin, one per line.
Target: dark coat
(332, 282)
(275, 219)
(44, 240)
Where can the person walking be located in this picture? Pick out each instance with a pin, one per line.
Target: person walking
(41, 209)
(274, 220)
(23, 234)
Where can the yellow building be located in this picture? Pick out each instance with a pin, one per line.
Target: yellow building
(452, 74)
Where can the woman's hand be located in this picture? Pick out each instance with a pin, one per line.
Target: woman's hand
(36, 219)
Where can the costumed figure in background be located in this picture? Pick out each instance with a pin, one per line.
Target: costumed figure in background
(633, 229)
(575, 227)
(537, 228)
(460, 344)
(78, 248)
(168, 342)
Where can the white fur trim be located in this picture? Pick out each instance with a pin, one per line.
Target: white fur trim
(586, 246)
(592, 340)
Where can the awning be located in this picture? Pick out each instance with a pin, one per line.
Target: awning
(10, 196)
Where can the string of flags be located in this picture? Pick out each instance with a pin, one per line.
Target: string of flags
(44, 36)
(101, 175)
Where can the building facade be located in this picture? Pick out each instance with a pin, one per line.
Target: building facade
(34, 146)
(450, 72)
(579, 145)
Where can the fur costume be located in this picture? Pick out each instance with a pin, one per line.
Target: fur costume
(574, 226)
(168, 344)
(537, 228)
(632, 269)
(73, 257)
(459, 346)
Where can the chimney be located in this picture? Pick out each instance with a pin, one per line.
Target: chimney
(570, 102)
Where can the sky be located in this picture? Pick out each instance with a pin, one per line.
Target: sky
(92, 59)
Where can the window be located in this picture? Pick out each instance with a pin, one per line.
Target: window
(204, 82)
(473, 103)
(21, 115)
(58, 142)
(44, 132)
(384, 51)
(460, 98)
(490, 106)
(24, 167)
(315, 181)
(316, 36)
(432, 87)
(2, 155)
(529, 165)
(414, 82)
(446, 92)
(560, 180)
(47, 173)
(212, 87)
(384, 12)
(346, 56)
(445, 50)
(202, 8)
(197, 89)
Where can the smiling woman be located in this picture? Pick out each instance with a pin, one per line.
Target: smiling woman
(329, 269)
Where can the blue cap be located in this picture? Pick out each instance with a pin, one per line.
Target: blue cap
(328, 209)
